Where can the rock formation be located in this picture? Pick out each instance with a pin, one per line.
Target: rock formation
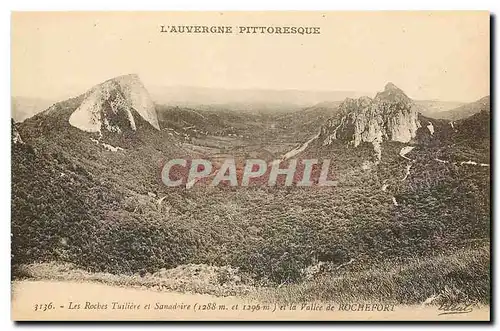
(391, 116)
(111, 106)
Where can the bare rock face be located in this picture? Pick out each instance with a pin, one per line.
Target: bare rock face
(391, 115)
(111, 105)
(15, 136)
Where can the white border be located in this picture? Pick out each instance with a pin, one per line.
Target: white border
(250, 5)
(214, 5)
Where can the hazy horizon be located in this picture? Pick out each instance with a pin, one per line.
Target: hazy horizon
(361, 93)
(429, 55)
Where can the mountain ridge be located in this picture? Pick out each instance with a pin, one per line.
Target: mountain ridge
(106, 104)
(466, 110)
(390, 115)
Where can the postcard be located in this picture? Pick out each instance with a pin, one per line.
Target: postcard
(250, 166)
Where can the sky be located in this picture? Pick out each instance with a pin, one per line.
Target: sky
(430, 55)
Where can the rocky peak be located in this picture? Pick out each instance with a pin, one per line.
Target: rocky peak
(391, 115)
(112, 105)
(391, 87)
(392, 93)
(15, 136)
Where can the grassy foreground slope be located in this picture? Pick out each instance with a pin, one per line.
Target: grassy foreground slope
(460, 277)
(90, 208)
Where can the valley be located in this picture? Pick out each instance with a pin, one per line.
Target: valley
(97, 208)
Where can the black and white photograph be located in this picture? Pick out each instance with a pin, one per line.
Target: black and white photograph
(250, 166)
